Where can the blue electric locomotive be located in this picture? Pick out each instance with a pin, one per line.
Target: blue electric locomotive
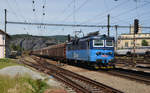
(96, 51)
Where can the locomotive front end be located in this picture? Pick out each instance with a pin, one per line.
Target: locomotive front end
(103, 52)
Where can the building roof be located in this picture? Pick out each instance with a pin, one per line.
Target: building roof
(1, 31)
(133, 34)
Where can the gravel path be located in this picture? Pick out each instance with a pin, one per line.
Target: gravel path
(122, 84)
(12, 71)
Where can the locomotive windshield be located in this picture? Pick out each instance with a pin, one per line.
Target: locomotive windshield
(109, 43)
(98, 43)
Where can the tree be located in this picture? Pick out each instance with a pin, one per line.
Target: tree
(144, 43)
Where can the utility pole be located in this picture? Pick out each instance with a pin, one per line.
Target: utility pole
(136, 29)
(5, 31)
(116, 28)
(5, 20)
(108, 26)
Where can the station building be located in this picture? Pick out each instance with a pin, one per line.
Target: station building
(127, 40)
(3, 44)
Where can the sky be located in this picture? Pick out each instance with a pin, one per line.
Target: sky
(90, 12)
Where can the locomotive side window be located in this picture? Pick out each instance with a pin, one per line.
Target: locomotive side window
(98, 43)
(109, 43)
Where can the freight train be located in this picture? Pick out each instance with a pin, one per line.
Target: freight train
(94, 51)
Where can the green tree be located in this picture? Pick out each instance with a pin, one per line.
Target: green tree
(15, 47)
(144, 43)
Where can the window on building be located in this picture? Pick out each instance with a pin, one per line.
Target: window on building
(3, 37)
(126, 44)
(132, 43)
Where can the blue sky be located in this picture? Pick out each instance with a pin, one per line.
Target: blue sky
(122, 12)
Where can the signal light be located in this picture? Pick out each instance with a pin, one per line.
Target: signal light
(136, 26)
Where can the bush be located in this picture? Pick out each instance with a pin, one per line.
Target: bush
(144, 43)
(20, 84)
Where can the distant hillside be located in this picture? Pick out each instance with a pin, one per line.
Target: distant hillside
(29, 42)
(57, 38)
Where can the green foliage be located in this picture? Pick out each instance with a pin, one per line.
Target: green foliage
(144, 43)
(21, 84)
(14, 47)
(7, 62)
(38, 86)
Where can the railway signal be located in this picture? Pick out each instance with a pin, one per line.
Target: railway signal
(136, 26)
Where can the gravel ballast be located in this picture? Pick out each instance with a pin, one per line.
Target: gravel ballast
(125, 85)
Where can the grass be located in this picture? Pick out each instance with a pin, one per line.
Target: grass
(7, 62)
(21, 84)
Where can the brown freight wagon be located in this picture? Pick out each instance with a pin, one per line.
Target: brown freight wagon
(57, 52)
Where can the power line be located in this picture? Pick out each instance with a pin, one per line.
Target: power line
(103, 14)
(19, 10)
(13, 12)
(34, 10)
(106, 6)
(126, 20)
(43, 13)
(65, 9)
(74, 14)
(131, 10)
(119, 20)
(71, 25)
(83, 4)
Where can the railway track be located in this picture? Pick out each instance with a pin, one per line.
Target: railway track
(129, 74)
(138, 60)
(77, 82)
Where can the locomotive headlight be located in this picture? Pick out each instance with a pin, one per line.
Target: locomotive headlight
(111, 60)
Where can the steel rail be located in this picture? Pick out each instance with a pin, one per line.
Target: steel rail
(73, 85)
(129, 75)
(100, 86)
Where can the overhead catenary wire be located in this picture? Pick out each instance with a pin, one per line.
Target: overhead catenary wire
(128, 11)
(35, 12)
(126, 20)
(19, 10)
(43, 14)
(76, 10)
(65, 9)
(12, 10)
(131, 10)
(106, 6)
(115, 19)
(105, 13)
(71, 25)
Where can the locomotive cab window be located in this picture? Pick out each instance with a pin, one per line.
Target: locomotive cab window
(98, 43)
(109, 43)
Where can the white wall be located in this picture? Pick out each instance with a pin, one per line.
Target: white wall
(2, 45)
(2, 55)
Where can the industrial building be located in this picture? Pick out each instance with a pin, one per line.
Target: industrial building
(3, 44)
(127, 40)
